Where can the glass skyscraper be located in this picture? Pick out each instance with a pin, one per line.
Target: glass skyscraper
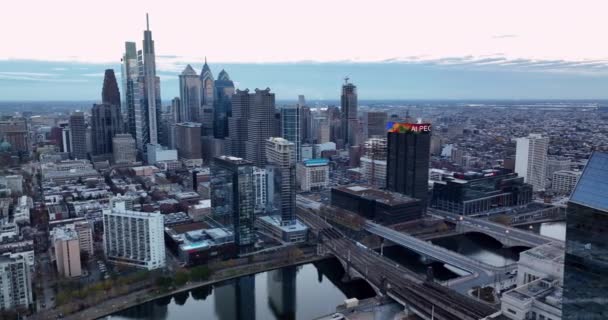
(586, 262)
(290, 127)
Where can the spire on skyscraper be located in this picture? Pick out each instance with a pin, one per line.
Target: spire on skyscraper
(223, 76)
(109, 92)
(147, 22)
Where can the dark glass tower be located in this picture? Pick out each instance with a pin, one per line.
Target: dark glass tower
(105, 124)
(78, 132)
(109, 92)
(586, 262)
(349, 107)
(232, 196)
(223, 104)
(408, 156)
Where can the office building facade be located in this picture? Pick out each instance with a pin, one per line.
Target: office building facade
(106, 122)
(124, 149)
(224, 88)
(408, 159)
(260, 126)
(586, 262)
(312, 174)
(564, 181)
(78, 135)
(232, 196)
(280, 155)
(238, 133)
(188, 135)
(290, 127)
(129, 73)
(349, 109)
(190, 90)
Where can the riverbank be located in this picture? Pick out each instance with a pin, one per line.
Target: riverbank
(124, 302)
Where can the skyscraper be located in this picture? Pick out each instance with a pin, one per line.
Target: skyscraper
(78, 131)
(280, 155)
(130, 74)
(123, 146)
(106, 123)
(207, 100)
(376, 124)
(348, 103)
(531, 160)
(190, 95)
(232, 196)
(290, 127)
(586, 261)
(134, 238)
(224, 88)
(188, 135)
(109, 92)
(408, 159)
(261, 126)
(147, 101)
(241, 105)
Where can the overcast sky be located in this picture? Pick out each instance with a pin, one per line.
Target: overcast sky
(564, 38)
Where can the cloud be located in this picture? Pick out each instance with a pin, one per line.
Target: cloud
(60, 69)
(35, 76)
(94, 75)
(504, 36)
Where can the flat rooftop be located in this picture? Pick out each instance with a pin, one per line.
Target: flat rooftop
(383, 196)
(552, 251)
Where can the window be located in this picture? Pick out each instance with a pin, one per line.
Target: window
(512, 311)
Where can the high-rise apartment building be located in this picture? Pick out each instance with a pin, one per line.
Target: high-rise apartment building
(147, 95)
(564, 181)
(586, 261)
(373, 161)
(67, 252)
(261, 126)
(280, 155)
(408, 159)
(134, 238)
(232, 196)
(15, 282)
(78, 132)
(130, 74)
(349, 109)
(123, 146)
(290, 127)
(260, 184)
(531, 160)
(190, 90)
(188, 137)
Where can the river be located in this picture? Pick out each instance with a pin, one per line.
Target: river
(298, 292)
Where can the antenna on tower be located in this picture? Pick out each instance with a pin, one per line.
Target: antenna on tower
(147, 22)
(346, 80)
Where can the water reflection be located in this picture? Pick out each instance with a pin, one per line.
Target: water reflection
(298, 292)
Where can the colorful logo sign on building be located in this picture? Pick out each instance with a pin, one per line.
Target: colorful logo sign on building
(401, 127)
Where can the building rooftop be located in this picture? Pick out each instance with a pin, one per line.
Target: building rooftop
(553, 251)
(276, 221)
(316, 162)
(372, 193)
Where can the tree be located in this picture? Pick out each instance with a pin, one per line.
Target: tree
(181, 277)
(164, 282)
(200, 273)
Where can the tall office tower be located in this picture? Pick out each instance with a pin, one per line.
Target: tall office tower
(106, 122)
(176, 110)
(335, 124)
(290, 127)
(260, 178)
(280, 155)
(282, 292)
(376, 124)
(110, 93)
(190, 95)
(207, 99)
(224, 88)
(147, 93)
(67, 252)
(15, 282)
(586, 261)
(134, 238)
(123, 146)
(261, 126)
(348, 103)
(66, 138)
(531, 160)
(241, 105)
(188, 135)
(232, 196)
(408, 159)
(129, 74)
(78, 131)
(306, 127)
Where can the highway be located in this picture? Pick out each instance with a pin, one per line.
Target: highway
(493, 229)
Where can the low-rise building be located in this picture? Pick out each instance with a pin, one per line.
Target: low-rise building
(196, 243)
(539, 299)
(294, 232)
(546, 261)
(564, 181)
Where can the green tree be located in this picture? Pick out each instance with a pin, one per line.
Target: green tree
(200, 273)
(181, 277)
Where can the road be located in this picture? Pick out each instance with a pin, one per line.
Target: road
(495, 229)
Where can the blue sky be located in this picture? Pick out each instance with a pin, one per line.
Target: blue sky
(458, 79)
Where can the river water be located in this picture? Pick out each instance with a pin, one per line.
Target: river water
(299, 292)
